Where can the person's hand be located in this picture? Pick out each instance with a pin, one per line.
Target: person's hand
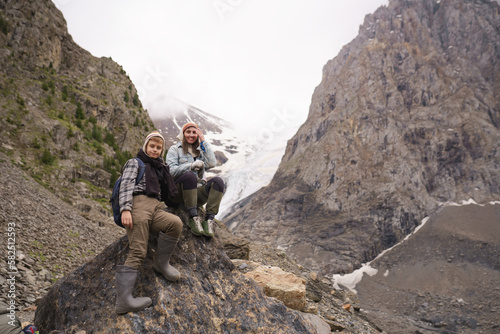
(127, 219)
(200, 135)
(197, 165)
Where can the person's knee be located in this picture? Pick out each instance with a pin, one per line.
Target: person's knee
(171, 225)
(188, 181)
(218, 184)
(176, 226)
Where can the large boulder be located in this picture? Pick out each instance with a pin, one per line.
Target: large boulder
(285, 286)
(211, 296)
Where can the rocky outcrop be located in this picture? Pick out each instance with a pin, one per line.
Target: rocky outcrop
(211, 296)
(234, 247)
(275, 282)
(406, 117)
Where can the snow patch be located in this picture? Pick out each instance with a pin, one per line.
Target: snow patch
(468, 202)
(351, 280)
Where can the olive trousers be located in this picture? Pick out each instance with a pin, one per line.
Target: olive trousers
(148, 217)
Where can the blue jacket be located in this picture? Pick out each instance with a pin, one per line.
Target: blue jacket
(180, 163)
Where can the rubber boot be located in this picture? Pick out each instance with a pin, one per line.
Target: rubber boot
(166, 245)
(189, 197)
(125, 279)
(213, 201)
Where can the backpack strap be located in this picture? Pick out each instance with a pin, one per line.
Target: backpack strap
(142, 170)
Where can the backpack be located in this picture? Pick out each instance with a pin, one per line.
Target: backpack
(115, 195)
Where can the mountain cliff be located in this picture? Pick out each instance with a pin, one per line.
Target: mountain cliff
(406, 117)
(66, 117)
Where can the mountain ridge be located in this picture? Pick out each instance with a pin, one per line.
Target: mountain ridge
(404, 119)
(68, 118)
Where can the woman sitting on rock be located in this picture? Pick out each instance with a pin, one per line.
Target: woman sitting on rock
(188, 160)
(142, 213)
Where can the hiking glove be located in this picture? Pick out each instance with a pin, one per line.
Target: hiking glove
(197, 165)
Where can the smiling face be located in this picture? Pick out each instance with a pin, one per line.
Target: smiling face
(191, 134)
(154, 147)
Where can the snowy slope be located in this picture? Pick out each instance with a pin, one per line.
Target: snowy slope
(251, 162)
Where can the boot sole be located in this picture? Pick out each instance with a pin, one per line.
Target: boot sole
(160, 272)
(125, 310)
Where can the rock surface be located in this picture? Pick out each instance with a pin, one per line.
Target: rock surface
(50, 237)
(406, 118)
(275, 282)
(211, 296)
(444, 278)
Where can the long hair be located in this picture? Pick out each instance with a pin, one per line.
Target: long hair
(185, 145)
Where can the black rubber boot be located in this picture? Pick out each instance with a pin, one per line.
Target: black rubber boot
(125, 279)
(166, 245)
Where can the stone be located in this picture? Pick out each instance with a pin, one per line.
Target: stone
(322, 327)
(211, 296)
(235, 247)
(310, 309)
(335, 326)
(45, 274)
(275, 282)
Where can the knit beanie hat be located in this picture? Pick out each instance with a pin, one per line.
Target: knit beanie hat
(188, 125)
(184, 128)
(148, 138)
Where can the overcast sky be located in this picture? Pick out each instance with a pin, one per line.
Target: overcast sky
(241, 60)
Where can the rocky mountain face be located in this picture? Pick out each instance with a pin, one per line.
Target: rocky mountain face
(443, 279)
(66, 117)
(406, 117)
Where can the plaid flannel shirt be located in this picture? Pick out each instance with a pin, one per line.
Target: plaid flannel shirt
(128, 186)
